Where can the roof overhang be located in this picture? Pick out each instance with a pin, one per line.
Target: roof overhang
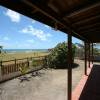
(81, 18)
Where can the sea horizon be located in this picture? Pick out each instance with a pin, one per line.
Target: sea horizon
(24, 50)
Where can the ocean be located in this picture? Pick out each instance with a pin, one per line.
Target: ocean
(24, 50)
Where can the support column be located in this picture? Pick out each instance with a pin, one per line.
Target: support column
(89, 54)
(92, 53)
(85, 52)
(69, 66)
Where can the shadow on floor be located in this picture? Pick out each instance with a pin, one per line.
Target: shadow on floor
(91, 90)
(75, 65)
(33, 74)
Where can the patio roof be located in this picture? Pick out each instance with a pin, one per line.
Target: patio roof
(81, 17)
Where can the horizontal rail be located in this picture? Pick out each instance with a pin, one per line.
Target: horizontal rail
(14, 67)
(23, 58)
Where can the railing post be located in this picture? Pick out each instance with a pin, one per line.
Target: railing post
(69, 66)
(0, 70)
(28, 61)
(15, 66)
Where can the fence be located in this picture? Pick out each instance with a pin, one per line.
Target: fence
(11, 68)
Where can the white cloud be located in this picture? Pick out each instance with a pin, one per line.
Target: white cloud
(36, 32)
(5, 38)
(47, 26)
(33, 21)
(30, 41)
(14, 16)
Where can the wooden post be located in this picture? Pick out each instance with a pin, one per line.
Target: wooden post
(85, 51)
(89, 54)
(92, 53)
(15, 69)
(69, 66)
(0, 70)
(28, 62)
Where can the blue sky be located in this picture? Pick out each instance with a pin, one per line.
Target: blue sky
(20, 32)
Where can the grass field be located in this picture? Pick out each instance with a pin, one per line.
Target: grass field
(21, 55)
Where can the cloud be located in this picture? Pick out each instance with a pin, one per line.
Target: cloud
(40, 34)
(47, 26)
(5, 38)
(14, 16)
(33, 21)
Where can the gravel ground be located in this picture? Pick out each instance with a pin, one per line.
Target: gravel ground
(50, 85)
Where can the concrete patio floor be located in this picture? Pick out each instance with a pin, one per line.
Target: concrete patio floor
(51, 85)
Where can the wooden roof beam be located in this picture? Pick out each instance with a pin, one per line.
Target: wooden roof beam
(53, 18)
(89, 26)
(53, 7)
(34, 11)
(93, 30)
(91, 34)
(40, 10)
(87, 20)
(81, 10)
(90, 31)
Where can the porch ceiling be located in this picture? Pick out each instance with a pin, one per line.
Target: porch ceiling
(82, 17)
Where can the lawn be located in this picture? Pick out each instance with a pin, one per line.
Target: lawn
(21, 55)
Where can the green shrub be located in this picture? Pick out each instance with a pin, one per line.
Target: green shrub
(58, 56)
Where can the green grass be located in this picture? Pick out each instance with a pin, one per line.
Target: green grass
(21, 55)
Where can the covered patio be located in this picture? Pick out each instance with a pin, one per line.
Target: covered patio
(80, 19)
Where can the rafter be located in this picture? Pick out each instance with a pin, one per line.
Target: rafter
(34, 11)
(73, 13)
(53, 7)
(89, 26)
(93, 30)
(50, 16)
(87, 21)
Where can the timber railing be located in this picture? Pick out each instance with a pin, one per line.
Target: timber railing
(13, 66)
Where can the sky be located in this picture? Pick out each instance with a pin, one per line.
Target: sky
(21, 32)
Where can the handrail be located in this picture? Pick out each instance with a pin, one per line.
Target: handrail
(22, 59)
(13, 67)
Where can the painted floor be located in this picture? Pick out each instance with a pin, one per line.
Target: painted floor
(89, 86)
